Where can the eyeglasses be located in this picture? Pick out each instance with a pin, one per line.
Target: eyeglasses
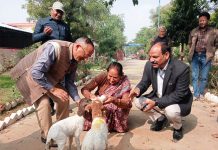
(85, 54)
(83, 49)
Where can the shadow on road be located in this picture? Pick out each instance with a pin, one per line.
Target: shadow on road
(124, 142)
(32, 141)
(136, 119)
(190, 123)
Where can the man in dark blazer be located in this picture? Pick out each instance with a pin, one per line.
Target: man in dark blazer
(171, 98)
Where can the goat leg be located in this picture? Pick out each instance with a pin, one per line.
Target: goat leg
(77, 142)
(70, 142)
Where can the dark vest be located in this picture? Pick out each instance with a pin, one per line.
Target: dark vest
(31, 90)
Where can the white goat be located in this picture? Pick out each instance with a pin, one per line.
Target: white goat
(67, 129)
(96, 137)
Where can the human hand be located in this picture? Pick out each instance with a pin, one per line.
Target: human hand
(78, 102)
(149, 105)
(93, 97)
(60, 93)
(134, 92)
(102, 98)
(110, 99)
(47, 30)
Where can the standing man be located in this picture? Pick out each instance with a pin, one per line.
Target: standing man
(52, 27)
(38, 76)
(202, 46)
(162, 36)
(169, 79)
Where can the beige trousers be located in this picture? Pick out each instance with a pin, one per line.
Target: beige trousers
(172, 112)
(43, 112)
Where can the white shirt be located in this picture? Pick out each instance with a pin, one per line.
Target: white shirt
(160, 79)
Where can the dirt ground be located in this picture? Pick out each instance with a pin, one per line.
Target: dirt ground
(200, 127)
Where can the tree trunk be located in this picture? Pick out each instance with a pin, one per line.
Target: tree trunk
(181, 51)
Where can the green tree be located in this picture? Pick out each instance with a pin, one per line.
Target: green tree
(183, 18)
(164, 15)
(111, 35)
(110, 2)
(86, 18)
(144, 36)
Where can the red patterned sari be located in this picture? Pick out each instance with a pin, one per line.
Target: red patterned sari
(116, 117)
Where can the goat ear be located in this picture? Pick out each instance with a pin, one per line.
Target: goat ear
(104, 112)
(103, 108)
(88, 107)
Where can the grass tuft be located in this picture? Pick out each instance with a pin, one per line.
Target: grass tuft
(8, 90)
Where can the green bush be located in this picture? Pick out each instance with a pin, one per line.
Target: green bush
(176, 52)
(8, 90)
(142, 56)
(7, 63)
(27, 50)
(213, 79)
(102, 61)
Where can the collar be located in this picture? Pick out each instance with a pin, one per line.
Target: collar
(71, 51)
(51, 19)
(162, 37)
(98, 120)
(199, 29)
(165, 67)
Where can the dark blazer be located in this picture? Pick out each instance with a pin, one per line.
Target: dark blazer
(175, 86)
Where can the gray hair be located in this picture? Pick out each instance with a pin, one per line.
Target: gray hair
(163, 28)
(84, 40)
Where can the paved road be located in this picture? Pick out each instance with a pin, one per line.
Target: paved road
(199, 127)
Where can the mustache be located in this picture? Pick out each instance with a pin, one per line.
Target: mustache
(153, 62)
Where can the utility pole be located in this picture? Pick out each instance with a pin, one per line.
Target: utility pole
(158, 23)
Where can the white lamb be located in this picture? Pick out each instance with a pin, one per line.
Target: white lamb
(67, 129)
(96, 137)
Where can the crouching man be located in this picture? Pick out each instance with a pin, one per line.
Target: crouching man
(171, 98)
(39, 76)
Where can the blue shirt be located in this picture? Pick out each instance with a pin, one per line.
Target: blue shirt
(61, 31)
(42, 66)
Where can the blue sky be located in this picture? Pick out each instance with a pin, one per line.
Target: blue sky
(135, 17)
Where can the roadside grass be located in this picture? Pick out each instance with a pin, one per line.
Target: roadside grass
(8, 90)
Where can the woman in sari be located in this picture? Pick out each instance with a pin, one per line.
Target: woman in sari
(116, 87)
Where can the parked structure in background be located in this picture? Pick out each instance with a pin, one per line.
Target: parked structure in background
(14, 37)
(24, 26)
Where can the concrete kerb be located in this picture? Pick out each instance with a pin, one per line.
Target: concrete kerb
(26, 111)
(208, 96)
(211, 97)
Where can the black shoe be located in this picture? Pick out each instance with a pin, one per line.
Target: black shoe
(43, 140)
(177, 134)
(53, 111)
(52, 106)
(159, 124)
(52, 144)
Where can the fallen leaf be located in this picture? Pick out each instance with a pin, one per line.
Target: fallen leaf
(212, 111)
(215, 135)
